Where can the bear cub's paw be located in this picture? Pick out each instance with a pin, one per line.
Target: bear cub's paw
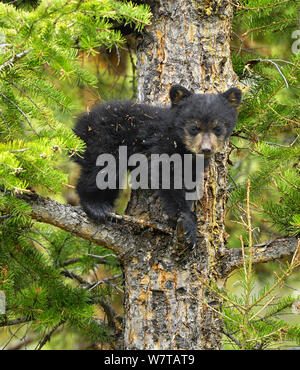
(188, 223)
(99, 213)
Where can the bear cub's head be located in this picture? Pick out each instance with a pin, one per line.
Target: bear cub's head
(204, 121)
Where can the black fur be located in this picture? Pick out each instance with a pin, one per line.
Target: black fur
(153, 130)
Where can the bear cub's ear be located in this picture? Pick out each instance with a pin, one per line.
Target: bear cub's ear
(178, 93)
(234, 96)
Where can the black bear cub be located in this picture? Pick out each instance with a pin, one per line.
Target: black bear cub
(194, 124)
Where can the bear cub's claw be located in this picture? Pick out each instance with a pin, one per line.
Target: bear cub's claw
(99, 214)
(188, 224)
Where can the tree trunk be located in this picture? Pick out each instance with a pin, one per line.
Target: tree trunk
(167, 303)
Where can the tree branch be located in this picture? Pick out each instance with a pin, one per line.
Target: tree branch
(14, 322)
(126, 235)
(267, 252)
(48, 336)
(10, 61)
(120, 236)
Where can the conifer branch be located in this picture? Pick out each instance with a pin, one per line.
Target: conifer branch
(21, 111)
(247, 8)
(48, 336)
(270, 251)
(10, 61)
(119, 237)
(17, 321)
(273, 24)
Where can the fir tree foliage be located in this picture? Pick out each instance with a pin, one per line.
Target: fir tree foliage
(267, 143)
(254, 317)
(265, 154)
(41, 47)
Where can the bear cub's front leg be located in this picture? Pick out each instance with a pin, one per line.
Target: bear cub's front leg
(180, 213)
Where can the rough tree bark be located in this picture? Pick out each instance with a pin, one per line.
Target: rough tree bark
(167, 304)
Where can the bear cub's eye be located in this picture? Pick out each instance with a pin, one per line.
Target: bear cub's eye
(193, 129)
(218, 130)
